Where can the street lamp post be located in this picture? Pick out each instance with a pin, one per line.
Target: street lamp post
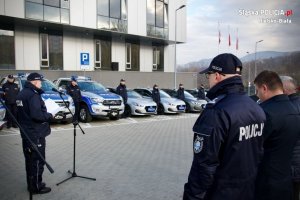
(175, 59)
(255, 70)
(249, 77)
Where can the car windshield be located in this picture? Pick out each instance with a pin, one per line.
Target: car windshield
(46, 85)
(188, 95)
(91, 86)
(163, 94)
(133, 94)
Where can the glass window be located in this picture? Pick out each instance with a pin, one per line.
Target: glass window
(114, 24)
(54, 3)
(65, 4)
(166, 21)
(34, 10)
(151, 12)
(159, 14)
(51, 14)
(115, 9)
(128, 56)
(7, 49)
(65, 16)
(124, 9)
(158, 58)
(106, 54)
(135, 57)
(36, 1)
(55, 52)
(44, 50)
(103, 6)
(97, 52)
(103, 22)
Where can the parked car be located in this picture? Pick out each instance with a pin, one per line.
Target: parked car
(137, 105)
(168, 104)
(96, 100)
(2, 116)
(63, 116)
(192, 104)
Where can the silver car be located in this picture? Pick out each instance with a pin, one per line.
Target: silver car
(139, 105)
(167, 105)
(2, 115)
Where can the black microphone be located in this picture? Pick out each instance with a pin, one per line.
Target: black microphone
(56, 90)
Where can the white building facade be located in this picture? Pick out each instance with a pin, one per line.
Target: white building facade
(116, 35)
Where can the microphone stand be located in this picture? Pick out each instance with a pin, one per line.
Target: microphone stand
(30, 150)
(76, 123)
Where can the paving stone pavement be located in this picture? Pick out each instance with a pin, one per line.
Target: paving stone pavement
(132, 159)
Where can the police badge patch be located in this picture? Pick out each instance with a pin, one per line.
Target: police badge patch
(198, 144)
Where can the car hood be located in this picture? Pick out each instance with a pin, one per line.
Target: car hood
(54, 96)
(104, 95)
(141, 101)
(172, 100)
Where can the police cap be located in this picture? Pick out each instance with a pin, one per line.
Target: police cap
(225, 63)
(35, 76)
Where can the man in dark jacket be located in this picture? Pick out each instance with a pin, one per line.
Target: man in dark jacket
(74, 91)
(289, 88)
(156, 95)
(281, 132)
(11, 90)
(227, 137)
(34, 119)
(201, 92)
(180, 92)
(122, 91)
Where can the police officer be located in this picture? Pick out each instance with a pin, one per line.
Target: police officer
(281, 132)
(156, 98)
(34, 119)
(180, 92)
(122, 91)
(11, 90)
(201, 92)
(289, 88)
(228, 139)
(74, 91)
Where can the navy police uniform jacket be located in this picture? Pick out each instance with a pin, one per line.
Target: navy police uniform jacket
(74, 92)
(282, 130)
(32, 113)
(122, 91)
(180, 94)
(11, 91)
(295, 99)
(228, 145)
(156, 96)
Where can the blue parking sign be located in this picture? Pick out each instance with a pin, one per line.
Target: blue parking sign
(84, 59)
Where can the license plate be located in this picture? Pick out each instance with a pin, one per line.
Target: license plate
(151, 109)
(181, 108)
(114, 113)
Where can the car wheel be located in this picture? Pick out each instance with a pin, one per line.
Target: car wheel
(160, 109)
(188, 108)
(84, 114)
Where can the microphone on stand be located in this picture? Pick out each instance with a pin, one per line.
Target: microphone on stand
(56, 90)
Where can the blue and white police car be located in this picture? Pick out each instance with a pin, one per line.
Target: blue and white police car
(96, 100)
(64, 115)
(2, 115)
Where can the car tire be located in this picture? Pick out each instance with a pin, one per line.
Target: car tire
(84, 114)
(160, 109)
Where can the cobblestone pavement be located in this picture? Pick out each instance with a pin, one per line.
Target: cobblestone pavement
(140, 158)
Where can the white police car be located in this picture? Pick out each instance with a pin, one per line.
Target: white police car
(168, 104)
(64, 115)
(96, 100)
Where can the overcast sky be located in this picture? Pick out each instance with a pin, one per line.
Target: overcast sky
(202, 28)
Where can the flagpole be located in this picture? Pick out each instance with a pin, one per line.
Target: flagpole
(229, 39)
(219, 35)
(237, 41)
